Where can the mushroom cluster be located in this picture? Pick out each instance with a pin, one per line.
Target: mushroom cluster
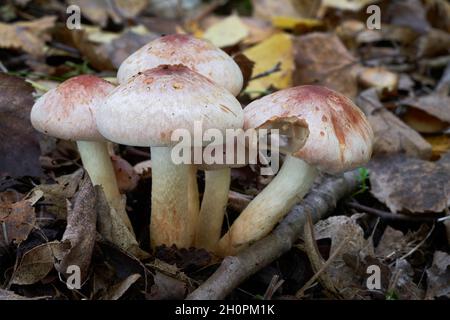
(175, 82)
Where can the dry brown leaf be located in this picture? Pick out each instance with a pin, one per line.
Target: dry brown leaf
(321, 58)
(10, 295)
(38, 262)
(80, 232)
(17, 222)
(29, 36)
(19, 150)
(119, 289)
(391, 134)
(352, 5)
(167, 288)
(428, 184)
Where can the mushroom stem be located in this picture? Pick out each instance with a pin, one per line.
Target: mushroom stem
(170, 222)
(97, 162)
(193, 199)
(291, 184)
(214, 203)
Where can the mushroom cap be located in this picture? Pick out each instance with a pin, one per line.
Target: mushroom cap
(340, 136)
(149, 107)
(67, 111)
(198, 55)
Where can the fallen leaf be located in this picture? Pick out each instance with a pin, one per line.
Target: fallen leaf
(298, 25)
(314, 66)
(118, 290)
(56, 194)
(246, 65)
(19, 151)
(29, 36)
(266, 9)
(173, 8)
(227, 32)
(439, 145)
(38, 262)
(10, 295)
(438, 276)
(352, 5)
(99, 11)
(275, 50)
(435, 42)
(428, 184)
(167, 288)
(435, 106)
(187, 260)
(17, 220)
(409, 13)
(391, 134)
(438, 13)
(80, 231)
(258, 29)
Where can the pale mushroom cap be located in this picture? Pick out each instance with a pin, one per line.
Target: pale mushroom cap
(340, 137)
(67, 111)
(198, 55)
(147, 109)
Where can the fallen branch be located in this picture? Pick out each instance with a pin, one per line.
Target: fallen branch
(235, 269)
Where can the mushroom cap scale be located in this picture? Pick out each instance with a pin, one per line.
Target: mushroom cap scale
(197, 54)
(147, 109)
(67, 111)
(340, 137)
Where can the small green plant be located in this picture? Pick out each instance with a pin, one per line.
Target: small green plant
(391, 295)
(363, 181)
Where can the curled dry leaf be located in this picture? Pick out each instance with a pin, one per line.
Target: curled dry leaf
(29, 36)
(80, 232)
(19, 150)
(428, 184)
(55, 195)
(17, 221)
(321, 58)
(436, 107)
(438, 276)
(391, 134)
(119, 289)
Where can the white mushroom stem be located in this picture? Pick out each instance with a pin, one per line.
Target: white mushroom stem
(291, 184)
(193, 200)
(97, 162)
(212, 212)
(170, 222)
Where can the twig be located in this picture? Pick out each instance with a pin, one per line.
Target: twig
(388, 215)
(274, 285)
(275, 68)
(235, 269)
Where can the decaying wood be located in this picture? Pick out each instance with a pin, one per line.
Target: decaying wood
(235, 269)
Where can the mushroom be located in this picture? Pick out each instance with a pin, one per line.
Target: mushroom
(208, 60)
(67, 112)
(145, 111)
(199, 55)
(340, 138)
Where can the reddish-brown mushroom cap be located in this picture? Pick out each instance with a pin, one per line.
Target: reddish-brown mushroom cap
(67, 111)
(340, 137)
(197, 54)
(147, 109)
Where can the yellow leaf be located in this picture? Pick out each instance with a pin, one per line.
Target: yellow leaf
(352, 5)
(291, 23)
(439, 144)
(266, 55)
(227, 32)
